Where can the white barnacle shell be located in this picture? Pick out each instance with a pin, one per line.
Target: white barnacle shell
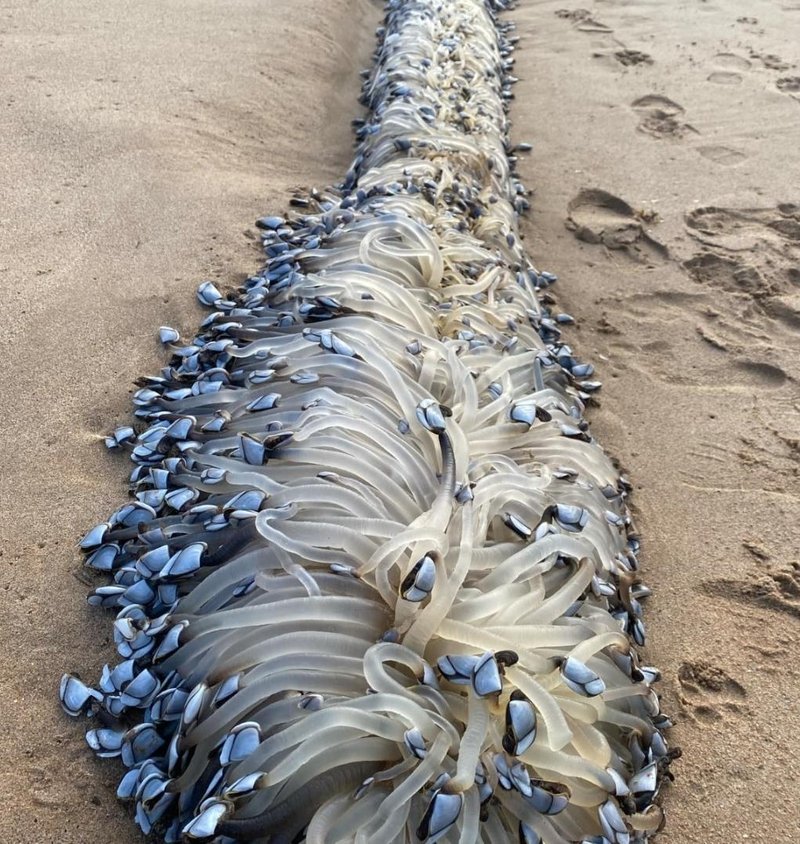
(644, 781)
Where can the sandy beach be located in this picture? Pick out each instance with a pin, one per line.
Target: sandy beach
(139, 144)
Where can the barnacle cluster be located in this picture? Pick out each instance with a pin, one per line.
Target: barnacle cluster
(377, 582)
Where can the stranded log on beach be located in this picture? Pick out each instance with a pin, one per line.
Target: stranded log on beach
(378, 583)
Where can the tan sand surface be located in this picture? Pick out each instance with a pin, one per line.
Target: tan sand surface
(139, 141)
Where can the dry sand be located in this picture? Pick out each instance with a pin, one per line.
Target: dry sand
(138, 143)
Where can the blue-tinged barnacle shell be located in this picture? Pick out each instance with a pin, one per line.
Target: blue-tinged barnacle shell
(227, 689)
(153, 561)
(104, 557)
(580, 678)
(457, 668)
(128, 785)
(141, 690)
(105, 742)
(95, 537)
(265, 402)
(570, 517)
(528, 835)
(250, 499)
(415, 743)
(140, 743)
(243, 786)
(240, 743)
(106, 596)
(180, 499)
(184, 563)
(270, 223)
(204, 825)
(517, 525)
(76, 697)
(181, 428)
(431, 416)
(208, 294)
(442, 813)
(612, 822)
(419, 582)
(168, 335)
(194, 704)
(527, 412)
(486, 679)
(139, 592)
(548, 800)
(520, 724)
(253, 450)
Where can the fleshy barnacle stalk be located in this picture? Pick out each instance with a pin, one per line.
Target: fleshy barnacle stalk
(377, 582)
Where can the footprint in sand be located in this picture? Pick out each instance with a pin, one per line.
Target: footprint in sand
(596, 216)
(733, 354)
(786, 309)
(736, 341)
(722, 154)
(755, 251)
(730, 274)
(771, 61)
(582, 20)
(777, 589)
(719, 464)
(630, 58)
(760, 374)
(738, 230)
(660, 117)
(725, 77)
(731, 61)
(789, 85)
(708, 692)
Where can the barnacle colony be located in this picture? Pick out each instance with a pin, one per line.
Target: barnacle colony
(378, 583)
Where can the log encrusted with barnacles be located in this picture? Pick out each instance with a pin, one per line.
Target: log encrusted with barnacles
(378, 583)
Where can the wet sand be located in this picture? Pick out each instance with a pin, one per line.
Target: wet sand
(139, 144)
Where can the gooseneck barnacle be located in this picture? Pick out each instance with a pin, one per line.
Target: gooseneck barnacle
(377, 582)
